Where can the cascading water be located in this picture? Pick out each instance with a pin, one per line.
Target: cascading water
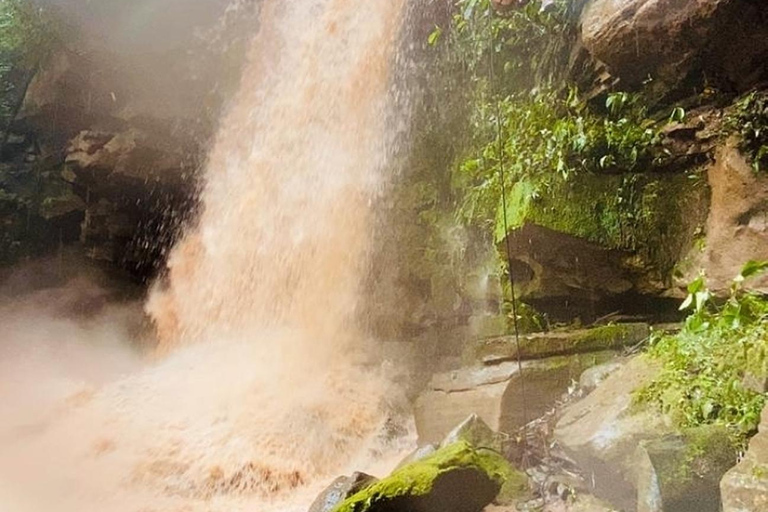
(261, 394)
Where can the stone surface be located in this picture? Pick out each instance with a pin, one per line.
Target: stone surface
(745, 487)
(571, 281)
(341, 489)
(495, 394)
(737, 226)
(542, 345)
(682, 472)
(602, 431)
(675, 40)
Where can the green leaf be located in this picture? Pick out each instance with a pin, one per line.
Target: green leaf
(678, 115)
(753, 268)
(434, 37)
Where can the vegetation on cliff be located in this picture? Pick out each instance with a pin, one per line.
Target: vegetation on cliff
(26, 36)
(715, 370)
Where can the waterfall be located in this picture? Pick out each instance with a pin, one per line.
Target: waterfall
(260, 394)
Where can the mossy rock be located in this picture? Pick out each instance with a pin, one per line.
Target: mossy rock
(544, 345)
(456, 478)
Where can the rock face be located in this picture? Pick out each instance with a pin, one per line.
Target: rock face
(745, 487)
(602, 432)
(104, 151)
(456, 478)
(495, 394)
(737, 226)
(570, 281)
(672, 40)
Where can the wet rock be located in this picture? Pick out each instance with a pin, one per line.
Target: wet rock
(682, 472)
(341, 489)
(602, 431)
(456, 478)
(495, 394)
(542, 345)
(571, 281)
(745, 487)
(671, 40)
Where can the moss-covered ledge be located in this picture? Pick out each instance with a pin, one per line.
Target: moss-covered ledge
(558, 343)
(456, 478)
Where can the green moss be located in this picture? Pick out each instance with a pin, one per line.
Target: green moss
(704, 365)
(418, 478)
(749, 120)
(612, 336)
(546, 345)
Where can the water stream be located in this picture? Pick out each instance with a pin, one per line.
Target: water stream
(260, 390)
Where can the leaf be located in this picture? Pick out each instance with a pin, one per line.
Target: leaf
(753, 268)
(434, 37)
(687, 302)
(678, 115)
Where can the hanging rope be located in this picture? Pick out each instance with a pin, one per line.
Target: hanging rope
(508, 243)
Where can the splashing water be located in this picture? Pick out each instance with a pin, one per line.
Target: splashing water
(263, 392)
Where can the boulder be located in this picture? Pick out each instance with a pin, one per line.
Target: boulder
(495, 394)
(557, 343)
(341, 489)
(682, 472)
(456, 478)
(602, 431)
(745, 487)
(671, 40)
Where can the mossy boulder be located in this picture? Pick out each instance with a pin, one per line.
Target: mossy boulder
(456, 478)
(557, 343)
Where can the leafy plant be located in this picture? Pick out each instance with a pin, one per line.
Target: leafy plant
(749, 119)
(704, 366)
(546, 138)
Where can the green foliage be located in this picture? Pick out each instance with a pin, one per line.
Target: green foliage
(524, 48)
(546, 139)
(702, 380)
(26, 36)
(749, 119)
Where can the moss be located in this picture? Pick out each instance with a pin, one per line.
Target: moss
(611, 336)
(659, 218)
(417, 479)
(545, 345)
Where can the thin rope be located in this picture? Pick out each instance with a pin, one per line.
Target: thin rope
(508, 243)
